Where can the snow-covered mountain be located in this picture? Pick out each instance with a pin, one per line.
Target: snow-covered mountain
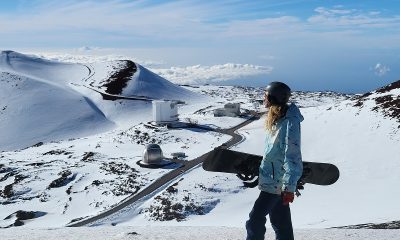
(100, 138)
(43, 100)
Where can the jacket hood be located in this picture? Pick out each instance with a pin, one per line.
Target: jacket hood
(294, 112)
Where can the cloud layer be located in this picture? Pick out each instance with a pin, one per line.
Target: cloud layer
(208, 74)
(197, 74)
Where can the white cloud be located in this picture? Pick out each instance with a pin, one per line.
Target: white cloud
(267, 57)
(374, 13)
(208, 74)
(272, 28)
(339, 17)
(337, 10)
(381, 69)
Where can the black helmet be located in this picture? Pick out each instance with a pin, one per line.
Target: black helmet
(278, 93)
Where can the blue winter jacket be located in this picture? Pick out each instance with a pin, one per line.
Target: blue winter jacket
(282, 165)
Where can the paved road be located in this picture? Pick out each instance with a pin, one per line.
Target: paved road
(156, 185)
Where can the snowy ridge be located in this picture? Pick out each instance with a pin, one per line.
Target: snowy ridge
(41, 69)
(151, 85)
(35, 111)
(385, 100)
(44, 100)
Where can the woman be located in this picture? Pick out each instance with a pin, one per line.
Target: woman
(281, 166)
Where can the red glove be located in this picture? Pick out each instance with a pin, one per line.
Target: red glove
(287, 197)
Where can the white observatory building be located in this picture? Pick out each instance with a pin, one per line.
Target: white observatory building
(165, 111)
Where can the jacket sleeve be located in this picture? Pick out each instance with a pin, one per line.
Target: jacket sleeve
(293, 164)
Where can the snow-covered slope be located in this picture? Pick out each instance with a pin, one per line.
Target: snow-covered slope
(40, 69)
(363, 143)
(42, 100)
(35, 111)
(192, 233)
(385, 100)
(149, 84)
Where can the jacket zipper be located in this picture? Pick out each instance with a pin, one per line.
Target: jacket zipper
(273, 170)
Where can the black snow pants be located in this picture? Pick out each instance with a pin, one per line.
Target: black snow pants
(279, 215)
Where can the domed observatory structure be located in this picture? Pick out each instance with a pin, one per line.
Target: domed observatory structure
(153, 157)
(152, 154)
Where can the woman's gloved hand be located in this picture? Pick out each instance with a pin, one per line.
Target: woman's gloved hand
(287, 197)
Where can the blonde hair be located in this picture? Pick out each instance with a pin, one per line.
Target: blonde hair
(275, 113)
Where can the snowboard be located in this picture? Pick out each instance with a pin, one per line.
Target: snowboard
(247, 167)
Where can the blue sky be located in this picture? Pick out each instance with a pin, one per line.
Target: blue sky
(347, 46)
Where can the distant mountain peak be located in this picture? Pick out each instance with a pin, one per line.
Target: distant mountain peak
(12, 53)
(6, 51)
(386, 100)
(390, 87)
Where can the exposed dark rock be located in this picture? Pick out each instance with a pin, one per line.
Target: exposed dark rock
(44, 197)
(57, 152)
(173, 188)
(168, 207)
(390, 87)
(66, 177)
(23, 215)
(7, 175)
(118, 80)
(4, 169)
(146, 136)
(96, 183)
(387, 225)
(187, 85)
(127, 186)
(18, 223)
(167, 210)
(129, 181)
(359, 103)
(37, 164)
(18, 178)
(389, 104)
(118, 168)
(7, 192)
(69, 190)
(77, 219)
(88, 157)
(38, 144)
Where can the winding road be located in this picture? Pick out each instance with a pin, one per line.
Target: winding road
(169, 177)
